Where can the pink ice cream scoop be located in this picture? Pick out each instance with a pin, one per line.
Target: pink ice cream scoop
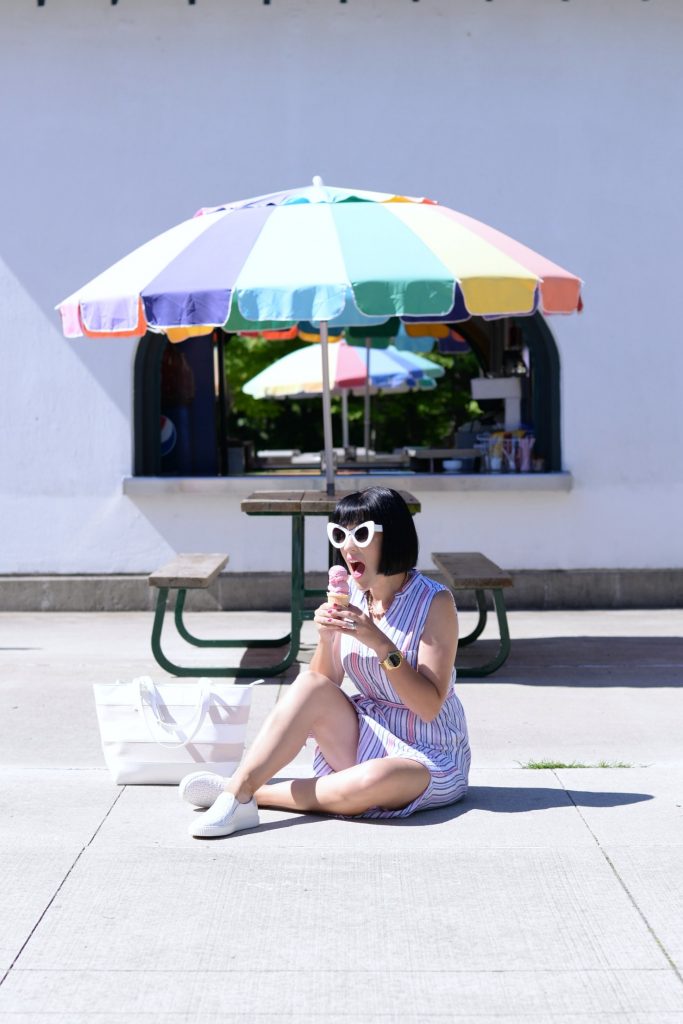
(338, 586)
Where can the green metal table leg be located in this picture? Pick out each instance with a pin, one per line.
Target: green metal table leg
(200, 642)
(159, 613)
(481, 624)
(293, 638)
(166, 663)
(503, 648)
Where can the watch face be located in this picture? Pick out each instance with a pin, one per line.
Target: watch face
(393, 660)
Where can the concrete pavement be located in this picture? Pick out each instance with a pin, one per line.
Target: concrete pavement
(547, 895)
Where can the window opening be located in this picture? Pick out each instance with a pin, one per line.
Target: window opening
(184, 409)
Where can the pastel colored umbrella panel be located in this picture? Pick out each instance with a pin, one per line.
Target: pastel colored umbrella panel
(332, 256)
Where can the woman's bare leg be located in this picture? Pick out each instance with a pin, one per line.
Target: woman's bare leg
(312, 705)
(390, 782)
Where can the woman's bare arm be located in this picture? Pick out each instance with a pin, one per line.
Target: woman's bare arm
(439, 643)
(424, 689)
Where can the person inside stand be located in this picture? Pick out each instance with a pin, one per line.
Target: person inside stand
(400, 743)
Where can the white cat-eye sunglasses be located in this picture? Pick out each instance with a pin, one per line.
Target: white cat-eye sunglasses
(361, 535)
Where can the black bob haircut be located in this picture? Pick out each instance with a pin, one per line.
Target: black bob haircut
(386, 507)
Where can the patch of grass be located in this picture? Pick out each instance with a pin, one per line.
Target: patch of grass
(553, 764)
(574, 764)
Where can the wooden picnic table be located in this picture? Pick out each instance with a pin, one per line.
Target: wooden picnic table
(188, 572)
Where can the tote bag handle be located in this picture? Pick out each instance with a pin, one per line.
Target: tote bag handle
(149, 702)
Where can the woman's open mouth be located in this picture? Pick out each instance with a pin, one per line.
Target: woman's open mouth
(357, 568)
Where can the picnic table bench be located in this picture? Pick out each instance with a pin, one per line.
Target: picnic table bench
(185, 572)
(193, 572)
(470, 570)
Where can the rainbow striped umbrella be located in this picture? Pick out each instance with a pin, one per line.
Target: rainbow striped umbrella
(329, 255)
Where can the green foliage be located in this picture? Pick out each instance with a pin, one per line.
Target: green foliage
(417, 418)
(426, 417)
(269, 423)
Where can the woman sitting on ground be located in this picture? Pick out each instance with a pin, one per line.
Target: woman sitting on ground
(397, 746)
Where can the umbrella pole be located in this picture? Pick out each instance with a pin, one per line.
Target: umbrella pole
(345, 418)
(366, 402)
(220, 340)
(327, 411)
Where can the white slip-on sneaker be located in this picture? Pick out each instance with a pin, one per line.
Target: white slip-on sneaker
(225, 816)
(201, 788)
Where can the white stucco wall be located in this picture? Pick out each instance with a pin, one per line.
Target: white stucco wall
(559, 123)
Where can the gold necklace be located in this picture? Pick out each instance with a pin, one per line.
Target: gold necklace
(377, 615)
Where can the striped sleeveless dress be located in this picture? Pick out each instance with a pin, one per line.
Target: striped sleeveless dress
(387, 728)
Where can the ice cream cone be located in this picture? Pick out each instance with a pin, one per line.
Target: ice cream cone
(340, 599)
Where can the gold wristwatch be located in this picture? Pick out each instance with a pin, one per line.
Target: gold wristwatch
(392, 661)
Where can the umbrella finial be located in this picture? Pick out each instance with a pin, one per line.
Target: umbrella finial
(317, 181)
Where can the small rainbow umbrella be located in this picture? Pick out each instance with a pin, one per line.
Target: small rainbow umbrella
(334, 256)
(300, 375)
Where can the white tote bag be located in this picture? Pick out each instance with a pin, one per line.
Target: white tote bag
(155, 733)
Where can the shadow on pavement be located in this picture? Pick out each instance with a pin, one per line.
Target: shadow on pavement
(495, 799)
(582, 661)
